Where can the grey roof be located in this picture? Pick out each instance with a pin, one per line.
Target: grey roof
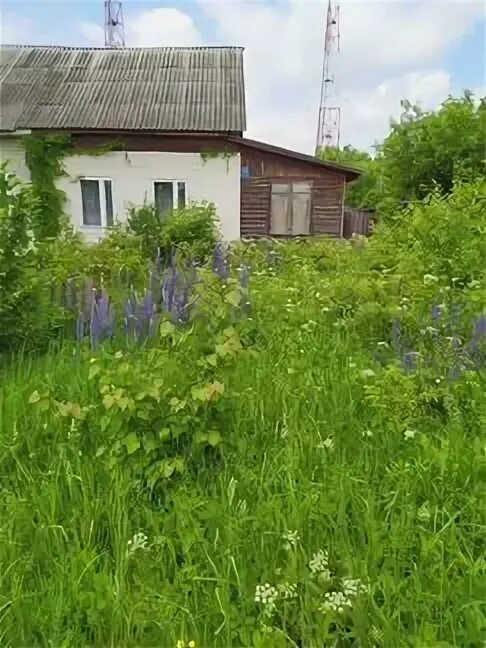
(155, 89)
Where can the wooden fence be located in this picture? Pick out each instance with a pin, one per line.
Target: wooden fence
(357, 221)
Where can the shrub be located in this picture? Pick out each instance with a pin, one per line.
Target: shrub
(192, 230)
(26, 314)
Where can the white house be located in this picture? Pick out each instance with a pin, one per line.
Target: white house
(112, 94)
(161, 125)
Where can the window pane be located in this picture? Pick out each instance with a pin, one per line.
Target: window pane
(90, 194)
(164, 200)
(281, 188)
(109, 203)
(181, 195)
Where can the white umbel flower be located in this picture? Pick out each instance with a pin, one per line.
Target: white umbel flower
(353, 587)
(266, 595)
(291, 539)
(288, 591)
(335, 602)
(139, 541)
(319, 562)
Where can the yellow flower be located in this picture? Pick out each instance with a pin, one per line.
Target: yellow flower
(191, 644)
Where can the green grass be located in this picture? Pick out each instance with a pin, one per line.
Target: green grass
(322, 433)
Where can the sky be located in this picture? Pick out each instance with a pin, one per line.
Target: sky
(420, 50)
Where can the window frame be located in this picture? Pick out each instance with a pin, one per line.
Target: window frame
(101, 188)
(173, 182)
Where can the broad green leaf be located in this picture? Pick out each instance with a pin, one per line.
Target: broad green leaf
(201, 437)
(214, 438)
(164, 434)
(131, 443)
(93, 371)
(166, 328)
(34, 397)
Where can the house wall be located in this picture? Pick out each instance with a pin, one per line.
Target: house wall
(12, 152)
(132, 173)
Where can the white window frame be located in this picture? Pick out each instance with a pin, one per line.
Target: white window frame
(101, 186)
(174, 182)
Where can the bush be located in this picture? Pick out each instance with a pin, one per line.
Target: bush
(192, 230)
(27, 317)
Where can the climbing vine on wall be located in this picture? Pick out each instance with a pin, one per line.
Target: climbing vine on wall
(210, 154)
(43, 156)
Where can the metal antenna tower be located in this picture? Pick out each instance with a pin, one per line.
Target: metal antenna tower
(328, 127)
(114, 27)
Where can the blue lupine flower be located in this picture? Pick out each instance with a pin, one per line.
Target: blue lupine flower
(129, 316)
(479, 332)
(102, 323)
(436, 312)
(220, 263)
(409, 361)
(169, 288)
(244, 275)
(80, 326)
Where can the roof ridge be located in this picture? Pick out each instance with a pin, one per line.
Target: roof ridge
(120, 49)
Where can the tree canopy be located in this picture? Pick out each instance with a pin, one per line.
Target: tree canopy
(423, 152)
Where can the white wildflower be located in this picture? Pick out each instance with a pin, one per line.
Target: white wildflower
(423, 513)
(319, 562)
(409, 434)
(139, 541)
(335, 602)
(266, 595)
(327, 444)
(437, 380)
(291, 539)
(367, 433)
(288, 591)
(353, 587)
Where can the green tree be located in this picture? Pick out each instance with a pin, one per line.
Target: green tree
(367, 190)
(428, 151)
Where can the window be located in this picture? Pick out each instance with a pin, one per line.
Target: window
(291, 207)
(169, 194)
(97, 199)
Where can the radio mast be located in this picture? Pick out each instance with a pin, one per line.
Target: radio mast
(329, 124)
(114, 27)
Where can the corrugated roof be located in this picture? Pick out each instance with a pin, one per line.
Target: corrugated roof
(157, 89)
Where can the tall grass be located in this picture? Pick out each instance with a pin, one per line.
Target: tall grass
(327, 445)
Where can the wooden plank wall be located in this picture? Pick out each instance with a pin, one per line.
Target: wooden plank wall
(326, 212)
(327, 207)
(255, 207)
(356, 221)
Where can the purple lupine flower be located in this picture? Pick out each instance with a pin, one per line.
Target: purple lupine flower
(220, 263)
(396, 335)
(169, 288)
(180, 310)
(436, 312)
(409, 361)
(244, 275)
(129, 316)
(80, 325)
(479, 331)
(103, 315)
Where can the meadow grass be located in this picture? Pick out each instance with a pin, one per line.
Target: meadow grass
(327, 445)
